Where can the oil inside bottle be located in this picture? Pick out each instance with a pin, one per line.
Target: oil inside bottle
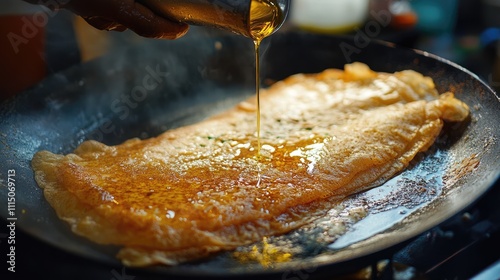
(265, 17)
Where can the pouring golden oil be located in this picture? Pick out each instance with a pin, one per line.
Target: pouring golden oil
(265, 17)
(258, 20)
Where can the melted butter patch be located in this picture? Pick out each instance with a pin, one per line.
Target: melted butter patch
(264, 253)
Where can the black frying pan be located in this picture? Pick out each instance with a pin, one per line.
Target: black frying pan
(108, 100)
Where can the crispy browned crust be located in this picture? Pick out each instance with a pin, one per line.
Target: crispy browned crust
(200, 189)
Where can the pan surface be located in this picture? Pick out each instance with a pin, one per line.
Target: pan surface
(108, 100)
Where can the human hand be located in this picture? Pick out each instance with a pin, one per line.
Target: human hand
(120, 15)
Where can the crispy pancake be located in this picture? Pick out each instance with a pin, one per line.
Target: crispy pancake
(201, 188)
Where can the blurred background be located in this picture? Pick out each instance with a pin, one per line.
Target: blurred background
(36, 42)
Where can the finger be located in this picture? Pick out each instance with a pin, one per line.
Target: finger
(104, 24)
(146, 23)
